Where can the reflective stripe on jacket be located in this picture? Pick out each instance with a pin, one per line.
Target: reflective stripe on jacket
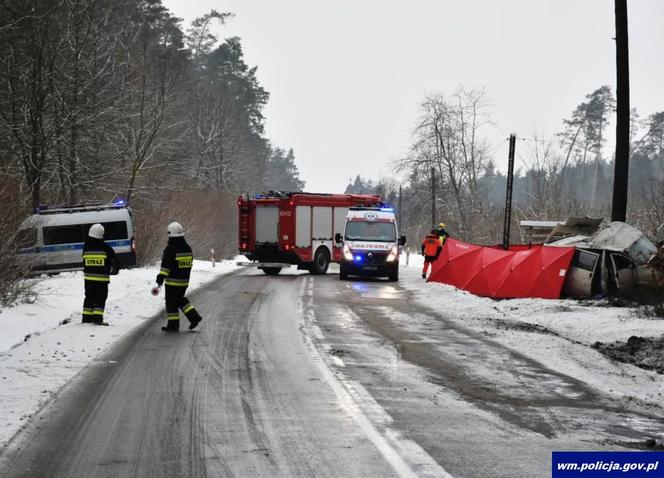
(176, 263)
(442, 235)
(98, 260)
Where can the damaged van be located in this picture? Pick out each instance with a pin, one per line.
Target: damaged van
(613, 261)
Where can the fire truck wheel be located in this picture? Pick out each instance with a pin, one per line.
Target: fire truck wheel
(321, 261)
(272, 271)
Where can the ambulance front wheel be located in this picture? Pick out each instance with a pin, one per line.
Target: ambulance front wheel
(393, 275)
(321, 261)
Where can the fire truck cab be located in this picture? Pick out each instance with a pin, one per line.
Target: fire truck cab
(280, 229)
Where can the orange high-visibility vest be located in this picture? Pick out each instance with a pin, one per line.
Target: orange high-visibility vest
(431, 245)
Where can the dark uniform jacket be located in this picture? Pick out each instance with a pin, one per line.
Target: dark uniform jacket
(176, 263)
(99, 260)
(431, 246)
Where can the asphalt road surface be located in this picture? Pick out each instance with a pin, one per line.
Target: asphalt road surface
(299, 375)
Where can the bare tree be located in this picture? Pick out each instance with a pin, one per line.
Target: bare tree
(543, 179)
(29, 71)
(152, 70)
(448, 139)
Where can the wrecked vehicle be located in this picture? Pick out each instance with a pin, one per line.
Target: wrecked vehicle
(612, 261)
(575, 260)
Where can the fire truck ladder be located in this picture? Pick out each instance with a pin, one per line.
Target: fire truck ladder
(244, 222)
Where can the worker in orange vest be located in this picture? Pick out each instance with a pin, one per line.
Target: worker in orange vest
(431, 248)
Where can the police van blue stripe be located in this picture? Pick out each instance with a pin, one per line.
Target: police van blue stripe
(73, 247)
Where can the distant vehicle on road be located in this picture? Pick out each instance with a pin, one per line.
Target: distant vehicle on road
(280, 229)
(53, 237)
(370, 243)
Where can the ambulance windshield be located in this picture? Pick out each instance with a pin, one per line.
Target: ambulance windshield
(370, 231)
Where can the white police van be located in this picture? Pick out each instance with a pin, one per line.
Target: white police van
(53, 238)
(370, 243)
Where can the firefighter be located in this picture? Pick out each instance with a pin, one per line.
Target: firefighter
(175, 270)
(431, 248)
(442, 233)
(99, 263)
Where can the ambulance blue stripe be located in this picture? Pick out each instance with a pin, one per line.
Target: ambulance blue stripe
(73, 247)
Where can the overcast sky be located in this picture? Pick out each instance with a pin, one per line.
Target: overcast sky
(346, 77)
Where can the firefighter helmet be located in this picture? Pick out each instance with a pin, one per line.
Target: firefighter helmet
(96, 231)
(441, 225)
(175, 230)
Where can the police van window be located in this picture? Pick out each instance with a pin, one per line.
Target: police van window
(63, 234)
(77, 233)
(114, 230)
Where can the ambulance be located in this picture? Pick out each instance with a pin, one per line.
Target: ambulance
(370, 243)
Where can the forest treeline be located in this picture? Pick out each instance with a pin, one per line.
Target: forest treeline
(558, 176)
(104, 98)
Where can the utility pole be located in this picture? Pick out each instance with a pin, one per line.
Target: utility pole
(621, 175)
(400, 215)
(433, 198)
(508, 194)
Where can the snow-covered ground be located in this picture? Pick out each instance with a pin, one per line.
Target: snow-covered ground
(557, 333)
(43, 344)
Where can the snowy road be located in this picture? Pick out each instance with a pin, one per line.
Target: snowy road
(300, 375)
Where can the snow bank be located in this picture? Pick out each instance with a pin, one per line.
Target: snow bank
(557, 333)
(43, 345)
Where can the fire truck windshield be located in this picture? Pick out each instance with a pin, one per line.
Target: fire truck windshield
(370, 231)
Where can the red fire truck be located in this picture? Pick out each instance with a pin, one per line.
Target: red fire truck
(278, 229)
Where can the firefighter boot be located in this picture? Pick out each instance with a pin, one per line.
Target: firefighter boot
(193, 316)
(98, 316)
(173, 323)
(194, 322)
(190, 312)
(425, 269)
(87, 315)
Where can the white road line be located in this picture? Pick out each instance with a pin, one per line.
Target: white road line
(337, 361)
(406, 457)
(317, 332)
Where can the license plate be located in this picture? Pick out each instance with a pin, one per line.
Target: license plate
(369, 268)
